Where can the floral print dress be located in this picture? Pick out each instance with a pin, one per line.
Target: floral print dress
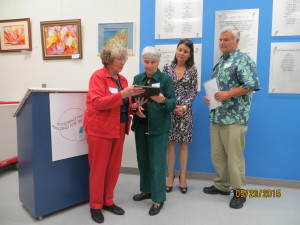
(185, 92)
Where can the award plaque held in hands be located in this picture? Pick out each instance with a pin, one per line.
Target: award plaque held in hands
(149, 91)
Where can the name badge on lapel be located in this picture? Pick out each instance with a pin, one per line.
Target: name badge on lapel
(227, 65)
(113, 90)
(156, 85)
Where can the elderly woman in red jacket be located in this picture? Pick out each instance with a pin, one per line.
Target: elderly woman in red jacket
(106, 121)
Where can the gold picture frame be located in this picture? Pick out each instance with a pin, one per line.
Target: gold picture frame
(15, 35)
(61, 39)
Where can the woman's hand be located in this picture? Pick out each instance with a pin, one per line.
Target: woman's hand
(138, 106)
(139, 102)
(179, 110)
(159, 98)
(139, 112)
(132, 91)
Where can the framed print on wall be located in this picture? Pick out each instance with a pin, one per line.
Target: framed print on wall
(15, 35)
(121, 32)
(61, 39)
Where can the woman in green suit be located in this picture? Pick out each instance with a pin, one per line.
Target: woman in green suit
(151, 125)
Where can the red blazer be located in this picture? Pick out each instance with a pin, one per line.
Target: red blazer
(102, 116)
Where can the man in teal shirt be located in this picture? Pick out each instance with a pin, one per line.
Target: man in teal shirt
(237, 79)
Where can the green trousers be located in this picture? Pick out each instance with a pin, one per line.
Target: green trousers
(227, 147)
(151, 157)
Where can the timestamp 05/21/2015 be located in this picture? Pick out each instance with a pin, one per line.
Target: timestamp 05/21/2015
(258, 193)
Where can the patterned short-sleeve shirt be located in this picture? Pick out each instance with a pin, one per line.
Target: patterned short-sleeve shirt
(235, 70)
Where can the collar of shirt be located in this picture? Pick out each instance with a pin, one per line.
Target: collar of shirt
(155, 76)
(107, 74)
(230, 54)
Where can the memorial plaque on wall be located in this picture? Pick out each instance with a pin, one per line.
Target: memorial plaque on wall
(285, 68)
(286, 17)
(246, 20)
(178, 19)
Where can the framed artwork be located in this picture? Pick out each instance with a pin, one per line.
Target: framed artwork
(122, 32)
(15, 35)
(61, 39)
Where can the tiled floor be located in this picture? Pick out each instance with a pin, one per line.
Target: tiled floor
(194, 208)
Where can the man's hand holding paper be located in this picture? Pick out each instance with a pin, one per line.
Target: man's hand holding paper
(211, 89)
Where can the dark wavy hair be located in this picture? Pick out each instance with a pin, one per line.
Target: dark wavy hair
(190, 61)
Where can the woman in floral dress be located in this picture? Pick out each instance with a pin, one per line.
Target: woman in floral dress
(184, 77)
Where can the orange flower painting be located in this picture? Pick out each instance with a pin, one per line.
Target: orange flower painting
(14, 35)
(61, 39)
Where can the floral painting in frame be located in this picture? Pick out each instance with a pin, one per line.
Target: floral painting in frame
(61, 39)
(15, 35)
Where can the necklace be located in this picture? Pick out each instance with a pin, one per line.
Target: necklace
(148, 81)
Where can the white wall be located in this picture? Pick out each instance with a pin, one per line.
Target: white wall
(21, 70)
(8, 133)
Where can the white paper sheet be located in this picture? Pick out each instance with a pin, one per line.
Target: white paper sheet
(211, 87)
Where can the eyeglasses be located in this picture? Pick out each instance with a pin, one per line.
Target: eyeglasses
(121, 59)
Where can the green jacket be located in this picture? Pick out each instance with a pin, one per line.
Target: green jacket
(159, 115)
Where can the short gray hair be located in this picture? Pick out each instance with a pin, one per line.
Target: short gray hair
(151, 52)
(235, 32)
(110, 51)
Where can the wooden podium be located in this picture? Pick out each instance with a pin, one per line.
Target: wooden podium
(46, 186)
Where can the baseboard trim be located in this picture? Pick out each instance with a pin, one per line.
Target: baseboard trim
(130, 170)
(210, 176)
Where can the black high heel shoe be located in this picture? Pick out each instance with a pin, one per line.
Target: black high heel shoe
(169, 188)
(183, 190)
